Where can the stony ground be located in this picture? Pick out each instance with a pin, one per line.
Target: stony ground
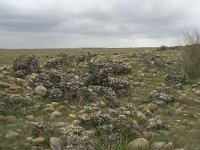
(99, 99)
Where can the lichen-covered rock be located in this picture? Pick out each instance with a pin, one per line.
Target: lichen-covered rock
(95, 119)
(96, 77)
(77, 93)
(110, 67)
(14, 104)
(55, 94)
(25, 65)
(159, 97)
(120, 127)
(156, 124)
(126, 127)
(121, 88)
(50, 80)
(176, 79)
(56, 63)
(77, 138)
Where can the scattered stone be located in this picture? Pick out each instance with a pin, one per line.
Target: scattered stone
(72, 116)
(156, 124)
(169, 146)
(55, 94)
(2, 118)
(197, 101)
(11, 134)
(179, 110)
(50, 105)
(75, 122)
(56, 144)
(197, 92)
(151, 107)
(29, 117)
(4, 85)
(158, 145)
(56, 114)
(40, 90)
(156, 97)
(14, 88)
(11, 118)
(176, 78)
(49, 109)
(34, 148)
(21, 82)
(183, 98)
(149, 134)
(141, 115)
(7, 118)
(58, 124)
(139, 143)
(38, 140)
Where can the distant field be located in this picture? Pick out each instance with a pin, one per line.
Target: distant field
(7, 55)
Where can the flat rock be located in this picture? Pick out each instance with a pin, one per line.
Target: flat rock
(38, 140)
(4, 84)
(151, 107)
(21, 82)
(139, 143)
(197, 101)
(14, 88)
(158, 145)
(11, 134)
(72, 116)
(56, 114)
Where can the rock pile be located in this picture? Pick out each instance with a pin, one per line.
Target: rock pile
(25, 65)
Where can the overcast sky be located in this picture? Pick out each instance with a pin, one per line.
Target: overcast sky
(95, 23)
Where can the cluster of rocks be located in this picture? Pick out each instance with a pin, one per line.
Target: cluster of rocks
(14, 104)
(58, 85)
(25, 65)
(78, 138)
(176, 79)
(113, 129)
(94, 82)
(160, 98)
(65, 60)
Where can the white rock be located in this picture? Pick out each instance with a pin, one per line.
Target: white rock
(72, 116)
(40, 90)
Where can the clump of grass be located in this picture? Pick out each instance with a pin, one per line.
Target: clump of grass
(190, 54)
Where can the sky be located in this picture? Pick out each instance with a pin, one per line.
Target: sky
(96, 23)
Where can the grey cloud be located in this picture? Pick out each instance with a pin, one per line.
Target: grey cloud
(62, 23)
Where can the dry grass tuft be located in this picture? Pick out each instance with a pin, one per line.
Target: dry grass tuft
(190, 54)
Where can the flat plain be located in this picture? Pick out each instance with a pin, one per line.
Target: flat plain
(164, 101)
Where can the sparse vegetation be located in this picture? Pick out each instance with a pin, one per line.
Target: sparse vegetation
(190, 54)
(152, 104)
